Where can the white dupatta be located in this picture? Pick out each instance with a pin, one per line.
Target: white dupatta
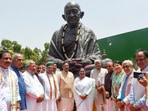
(13, 89)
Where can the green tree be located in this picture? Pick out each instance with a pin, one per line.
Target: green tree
(6, 44)
(46, 46)
(27, 53)
(16, 47)
(36, 54)
(44, 52)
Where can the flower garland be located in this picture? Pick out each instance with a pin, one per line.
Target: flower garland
(76, 42)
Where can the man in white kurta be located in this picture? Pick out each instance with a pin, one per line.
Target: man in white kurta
(51, 88)
(99, 75)
(10, 84)
(3, 105)
(84, 86)
(10, 80)
(34, 89)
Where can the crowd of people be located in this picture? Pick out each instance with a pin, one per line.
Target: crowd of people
(53, 86)
(111, 88)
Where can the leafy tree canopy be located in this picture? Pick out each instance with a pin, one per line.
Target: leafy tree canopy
(36, 54)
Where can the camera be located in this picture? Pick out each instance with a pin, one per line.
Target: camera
(138, 75)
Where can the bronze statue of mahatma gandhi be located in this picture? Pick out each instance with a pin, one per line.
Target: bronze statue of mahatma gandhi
(73, 42)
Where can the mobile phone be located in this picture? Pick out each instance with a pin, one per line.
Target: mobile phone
(138, 75)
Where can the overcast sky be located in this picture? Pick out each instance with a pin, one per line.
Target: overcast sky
(33, 22)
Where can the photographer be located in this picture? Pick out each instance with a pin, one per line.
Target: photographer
(137, 90)
(144, 81)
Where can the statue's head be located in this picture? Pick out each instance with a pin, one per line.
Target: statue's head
(72, 13)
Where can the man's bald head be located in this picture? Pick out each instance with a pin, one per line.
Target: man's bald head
(71, 5)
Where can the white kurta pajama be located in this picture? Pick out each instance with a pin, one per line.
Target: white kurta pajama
(84, 87)
(99, 76)
(3, 105)
(49, 103)
(10, 87)
(34, 89)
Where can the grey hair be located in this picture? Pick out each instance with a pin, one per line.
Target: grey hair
(127, 61)
(28, 63)
(98, 60)
(15, 56)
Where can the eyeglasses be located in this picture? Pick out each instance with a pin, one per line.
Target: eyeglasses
(141, 59)
(125, 67)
